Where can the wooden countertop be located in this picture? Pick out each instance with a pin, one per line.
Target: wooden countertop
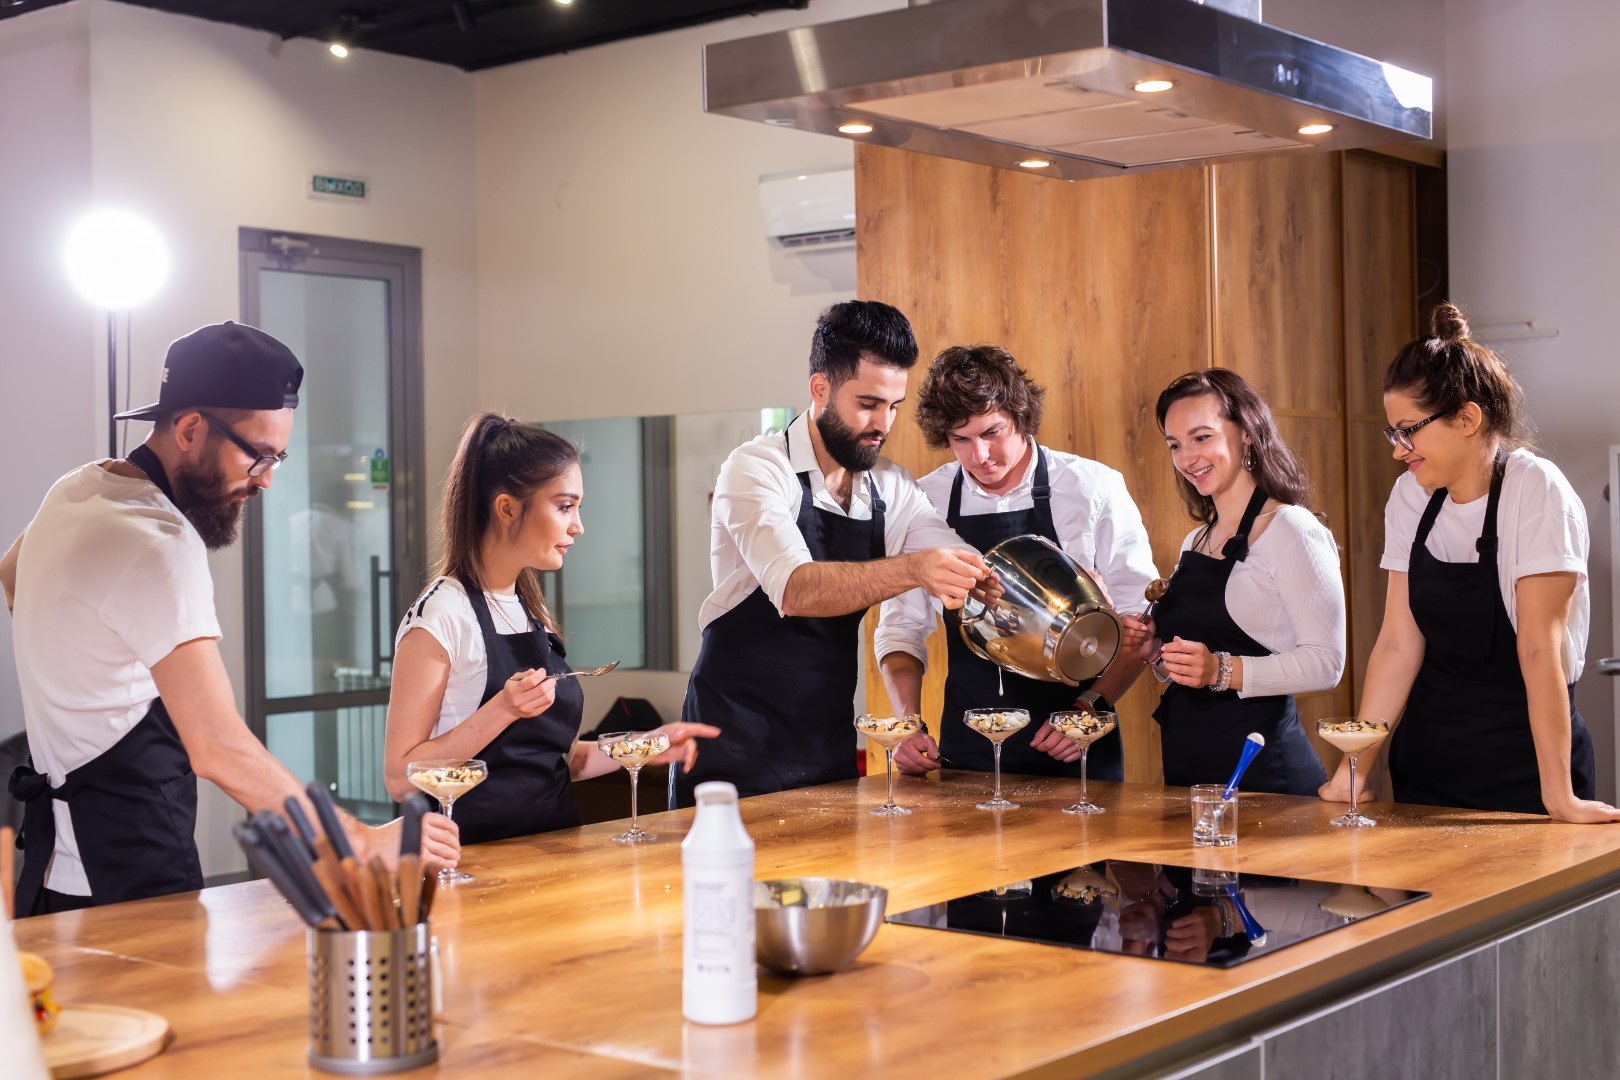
(565, 955)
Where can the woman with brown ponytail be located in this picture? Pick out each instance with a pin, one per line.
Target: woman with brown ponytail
(477, 655)
(1486, 619)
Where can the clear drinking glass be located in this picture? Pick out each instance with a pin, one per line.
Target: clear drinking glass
(633, 749)
(1352, 736)
(1083, 728)
(889, 732)
(1214, 816)
(447, 779)
(997, 725)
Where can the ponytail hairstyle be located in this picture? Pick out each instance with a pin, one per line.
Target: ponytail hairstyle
(497, 456)
(1277, 469)
(1448, 369)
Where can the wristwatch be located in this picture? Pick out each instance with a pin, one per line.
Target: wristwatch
(1094, 701)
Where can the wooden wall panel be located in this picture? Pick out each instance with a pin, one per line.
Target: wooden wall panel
(1296, 271)
(1278, 277)
(1100, 289)
(1380, 288)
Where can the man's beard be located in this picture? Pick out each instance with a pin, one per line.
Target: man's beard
(201, 493)
(844, 444)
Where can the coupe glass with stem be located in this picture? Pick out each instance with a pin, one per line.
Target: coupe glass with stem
(997, 725)
(1082, 728)
(1352, 736)
(888, 732)
(633, 749)
(447, 779)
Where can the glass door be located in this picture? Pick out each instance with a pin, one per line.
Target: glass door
(335, 546)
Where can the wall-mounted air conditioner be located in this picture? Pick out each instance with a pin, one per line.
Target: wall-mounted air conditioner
(805, 208)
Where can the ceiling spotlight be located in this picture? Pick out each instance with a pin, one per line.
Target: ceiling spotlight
(338, 49)
(1315, 129)
(855, 127)
(564, 3)
(1152, 86)
(1034, 163)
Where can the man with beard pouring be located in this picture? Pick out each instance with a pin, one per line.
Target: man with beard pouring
(809, 529)
(124, 691)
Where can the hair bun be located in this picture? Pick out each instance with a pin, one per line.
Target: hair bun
(1448, 324)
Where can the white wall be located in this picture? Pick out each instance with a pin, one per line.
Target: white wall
(46, 335)
(1535, 229)
(622, 267)
(201, 129)
(621, 262)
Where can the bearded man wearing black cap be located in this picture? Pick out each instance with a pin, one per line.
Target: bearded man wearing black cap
(125, 696)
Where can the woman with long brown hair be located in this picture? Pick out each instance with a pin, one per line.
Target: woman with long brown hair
(1255, 611)
(1487, 613)
(477, 656)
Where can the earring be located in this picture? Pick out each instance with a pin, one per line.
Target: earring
(1248, 460)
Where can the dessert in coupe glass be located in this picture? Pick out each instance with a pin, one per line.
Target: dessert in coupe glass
(633, 749)
(888, 732)
(996, 725)
(1351, 736)
(447, 779)
(1083, 728)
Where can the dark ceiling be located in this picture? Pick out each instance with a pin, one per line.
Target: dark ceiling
(469, 34)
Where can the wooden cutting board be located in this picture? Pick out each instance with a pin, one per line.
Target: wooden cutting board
(90, 1040)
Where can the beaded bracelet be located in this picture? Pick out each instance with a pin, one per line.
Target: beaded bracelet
(1223, 677)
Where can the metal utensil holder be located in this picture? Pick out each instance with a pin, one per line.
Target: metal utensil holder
(371, 1000)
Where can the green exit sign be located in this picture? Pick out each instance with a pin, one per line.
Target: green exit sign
(336, 187)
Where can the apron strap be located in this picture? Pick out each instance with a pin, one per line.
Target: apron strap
(1430, 513)
(38, 837)
(879, 508)
(1236, 548)
(1040, 489)
(145, 460)
(1486, 544)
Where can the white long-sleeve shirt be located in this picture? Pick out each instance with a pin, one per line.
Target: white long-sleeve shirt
(1098, 525)
(753, 527)
(1289, 596)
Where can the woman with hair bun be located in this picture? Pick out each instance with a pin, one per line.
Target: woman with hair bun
(1486, 619)
(1254, 612)
(477, 656)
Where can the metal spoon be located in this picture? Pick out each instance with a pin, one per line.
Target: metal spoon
(591, 674)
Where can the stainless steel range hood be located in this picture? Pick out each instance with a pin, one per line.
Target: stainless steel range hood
(1065, 82)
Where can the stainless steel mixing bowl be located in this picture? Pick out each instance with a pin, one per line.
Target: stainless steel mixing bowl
(811, 926)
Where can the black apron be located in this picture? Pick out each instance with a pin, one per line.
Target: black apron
(1464, 739)
(971, 680)
(781, 689)
(528, 789)
(1203, 732)
(134, 807)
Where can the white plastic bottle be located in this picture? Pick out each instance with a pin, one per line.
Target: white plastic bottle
(718, 984)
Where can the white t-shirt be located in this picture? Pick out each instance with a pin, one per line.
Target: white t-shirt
(1289, 596)
(111, 578)
(1541, 529)
(753, 527)
(444, 611)
(1097, 524)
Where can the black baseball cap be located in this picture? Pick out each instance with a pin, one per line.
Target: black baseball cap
(225, 366)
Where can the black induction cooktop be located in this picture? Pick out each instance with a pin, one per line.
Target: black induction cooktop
(1195, 916)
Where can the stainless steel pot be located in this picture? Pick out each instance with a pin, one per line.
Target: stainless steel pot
(1052, 621)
